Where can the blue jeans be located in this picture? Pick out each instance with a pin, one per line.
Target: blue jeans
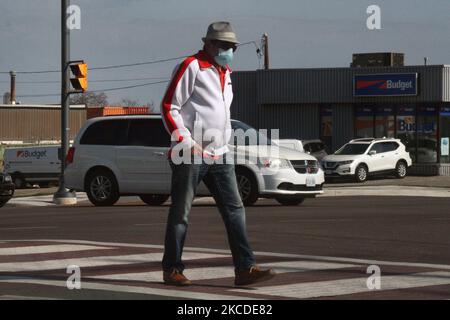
(221, 182)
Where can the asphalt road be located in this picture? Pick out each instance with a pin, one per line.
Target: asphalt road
(359, 230)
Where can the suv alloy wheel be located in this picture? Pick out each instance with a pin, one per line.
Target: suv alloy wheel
(361, 173)
(401, 169)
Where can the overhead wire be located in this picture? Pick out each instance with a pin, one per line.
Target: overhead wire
(258, 52)
(99, 90)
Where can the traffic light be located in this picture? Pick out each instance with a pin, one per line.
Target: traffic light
(80, 71)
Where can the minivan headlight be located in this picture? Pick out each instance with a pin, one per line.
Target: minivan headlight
(274, 163)
(7, 178)
(342, 163)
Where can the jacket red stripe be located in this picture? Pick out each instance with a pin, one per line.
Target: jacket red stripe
(167, 101)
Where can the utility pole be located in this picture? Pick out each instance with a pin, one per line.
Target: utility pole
(265, 39)
(12, 94)
(63, 196)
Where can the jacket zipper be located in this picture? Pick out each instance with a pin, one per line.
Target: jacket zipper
(223, 97)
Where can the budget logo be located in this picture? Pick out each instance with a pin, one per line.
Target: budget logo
(385, 85)
(31, 154)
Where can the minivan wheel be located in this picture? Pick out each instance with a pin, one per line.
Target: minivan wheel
(102, 188)
(361, 173)
(289, 200)
(248, 189)
(401, 169)
(154, 199)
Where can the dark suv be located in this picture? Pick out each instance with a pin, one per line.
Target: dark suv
(6, 188)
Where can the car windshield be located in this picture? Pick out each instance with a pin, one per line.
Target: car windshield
(243, 134)
(352, 148)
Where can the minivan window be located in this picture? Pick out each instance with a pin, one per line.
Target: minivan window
(106, 132)
(252, 136)
(148, 133)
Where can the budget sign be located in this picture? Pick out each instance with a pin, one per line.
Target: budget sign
(395, 84)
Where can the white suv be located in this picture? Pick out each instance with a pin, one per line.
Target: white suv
(127, 155)
(363, 157)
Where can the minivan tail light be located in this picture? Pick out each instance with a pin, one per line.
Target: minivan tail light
(70, 155)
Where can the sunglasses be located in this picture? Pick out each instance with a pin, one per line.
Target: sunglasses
(224, 45)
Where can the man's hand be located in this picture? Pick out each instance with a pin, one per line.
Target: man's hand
(197, 150)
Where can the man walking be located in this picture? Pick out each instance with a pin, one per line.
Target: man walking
(199, 98)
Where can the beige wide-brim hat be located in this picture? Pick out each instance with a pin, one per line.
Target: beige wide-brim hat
(222, 31)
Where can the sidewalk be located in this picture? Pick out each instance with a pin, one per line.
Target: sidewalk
(435, 186)
(385, 190)
(410, 181)
(32, 192)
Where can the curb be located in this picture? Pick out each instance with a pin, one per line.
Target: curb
(387, 191)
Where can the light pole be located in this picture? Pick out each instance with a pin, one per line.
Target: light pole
(12, 95)
(64, 196)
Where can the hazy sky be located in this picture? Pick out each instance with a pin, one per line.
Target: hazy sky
(315, 33)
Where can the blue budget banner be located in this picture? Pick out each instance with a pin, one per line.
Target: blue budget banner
(394, 84)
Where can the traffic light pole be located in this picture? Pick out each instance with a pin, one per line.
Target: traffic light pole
(64, 196)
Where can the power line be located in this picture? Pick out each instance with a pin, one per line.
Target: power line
(114, 80)
(120, 65)
(130, 87)
(100, 90)
(90, 81)
(136, 64)
(101, 68)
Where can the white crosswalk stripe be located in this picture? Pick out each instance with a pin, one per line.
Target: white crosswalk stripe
(95, 261)
(130, 289)
(15, 297)
(139, 272)
(48, 249)
(226, 272)
(355, 285)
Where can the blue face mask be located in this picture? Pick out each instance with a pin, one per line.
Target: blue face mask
(224, 57)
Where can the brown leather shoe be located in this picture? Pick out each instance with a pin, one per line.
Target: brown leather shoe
(175, 278)
(253, 275)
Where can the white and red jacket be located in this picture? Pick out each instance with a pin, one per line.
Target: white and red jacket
(199, 95)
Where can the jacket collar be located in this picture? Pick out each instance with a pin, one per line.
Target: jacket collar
(205, 61)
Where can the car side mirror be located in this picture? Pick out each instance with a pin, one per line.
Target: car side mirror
(372, 152)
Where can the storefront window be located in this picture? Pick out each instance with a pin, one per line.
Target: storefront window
(384, 122)
(427, 135)
(406, 128)
(364, 122)
(326, 126)
(445, 133)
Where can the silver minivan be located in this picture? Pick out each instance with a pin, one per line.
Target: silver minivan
(128, 155)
